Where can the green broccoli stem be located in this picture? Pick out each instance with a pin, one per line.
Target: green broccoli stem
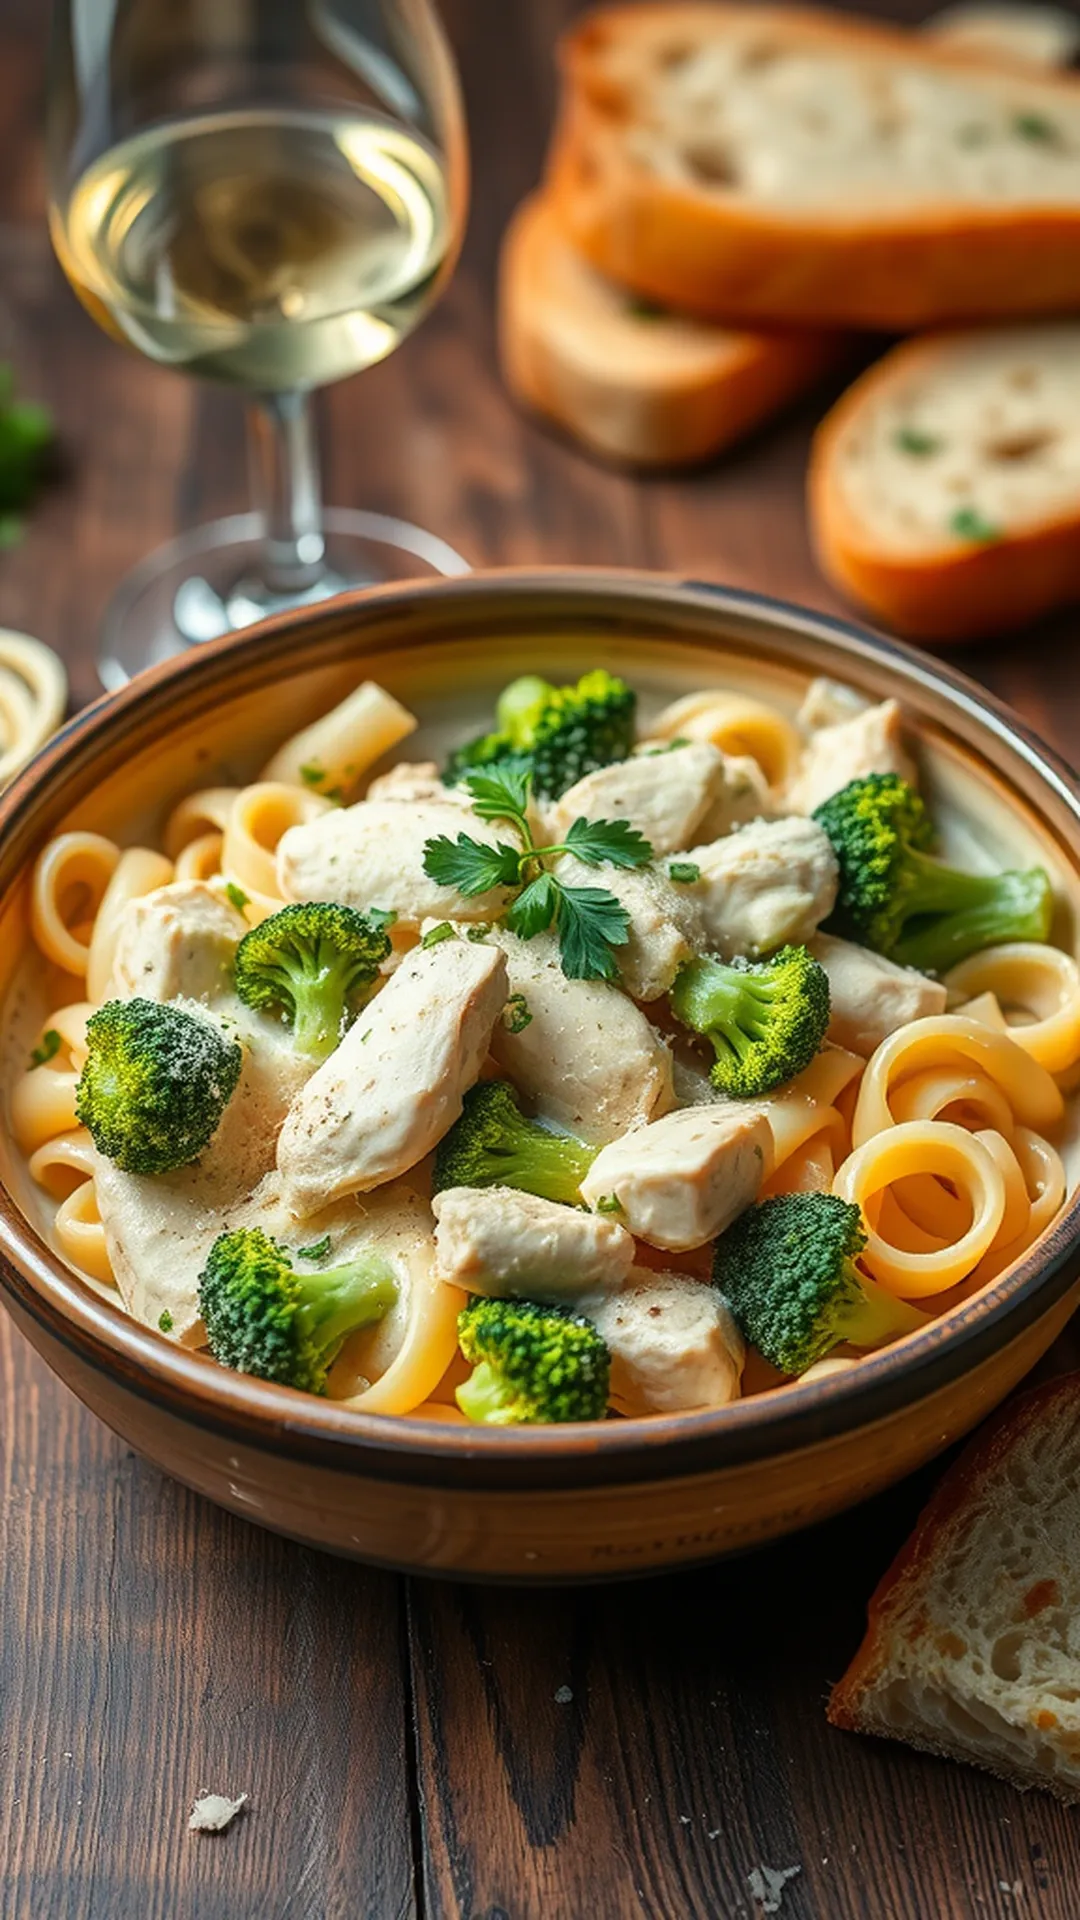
(552, 1166)
(974, 911)
(320, 994)
(486, 1399)
(874, 1317)
(338, 1301)
(721, 1001)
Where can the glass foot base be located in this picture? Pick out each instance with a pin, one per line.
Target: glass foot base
(206, 583)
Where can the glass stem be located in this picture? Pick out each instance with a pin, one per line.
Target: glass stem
(284, 458)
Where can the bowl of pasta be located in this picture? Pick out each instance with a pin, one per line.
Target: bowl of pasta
(541, 1076)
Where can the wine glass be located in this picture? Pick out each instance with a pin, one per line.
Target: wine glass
(269, 194)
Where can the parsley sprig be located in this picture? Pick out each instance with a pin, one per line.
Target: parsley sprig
(590, 922)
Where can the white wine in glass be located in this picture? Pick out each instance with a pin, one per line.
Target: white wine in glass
(269, 194)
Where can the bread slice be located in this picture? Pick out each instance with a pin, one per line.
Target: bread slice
(632, 382)
(944, 487)
(778, 167)
(1014, 32)
(973, 1643)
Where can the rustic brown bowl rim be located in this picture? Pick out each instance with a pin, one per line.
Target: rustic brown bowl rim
(276, 1419)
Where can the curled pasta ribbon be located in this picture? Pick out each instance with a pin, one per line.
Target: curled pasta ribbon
(69, 883)
(81, 1236)
(947, 1040)
(737, 725)
(806, 1108)
(949, 1093)
(206, 811)
(1043, 1178)
(201, 858)
(921, 1147)
(334, 753)
(139, 871)
(33, 699)
(811, 1168)
(258, 818)
(986, 1009)
(54, 1164)
(428, 1348)
(1043, 982)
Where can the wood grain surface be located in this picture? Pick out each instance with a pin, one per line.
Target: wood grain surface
(415, 1748)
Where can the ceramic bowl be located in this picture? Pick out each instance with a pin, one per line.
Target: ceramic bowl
(526, 1504)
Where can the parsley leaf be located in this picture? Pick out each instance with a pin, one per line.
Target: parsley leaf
(469, 865)
(591, 922)
(318, 1252)
(685, 873)
(435, 936)
(613, 841)
(165, 1321)
(47, 1049)
(501, 793)
(236, 896)
(534, 910)
(515, 1015)
(609, 1203)
(381, 916)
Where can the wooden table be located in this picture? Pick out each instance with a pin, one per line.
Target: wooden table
(413, 1748)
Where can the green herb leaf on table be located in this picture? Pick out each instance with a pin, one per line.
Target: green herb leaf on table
(591, 923)
(612, 842)
(470, 865)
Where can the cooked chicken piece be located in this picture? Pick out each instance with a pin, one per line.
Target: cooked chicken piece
(178, 942)
(767, 886)
(587, 1059)
(665, 922)
(413, 780)
(392, 1088)
(372, 855)
(664, 792)
(743, 795)
(871, 997)
(870, 742)
(511, 1245)
(682, 1180)
(674, 1344)
(159, 1228)
(829, 702)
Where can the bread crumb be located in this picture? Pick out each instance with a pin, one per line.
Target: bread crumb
(767, 1885)
(212, 1812)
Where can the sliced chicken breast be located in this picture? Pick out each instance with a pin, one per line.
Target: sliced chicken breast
(673, 1342)
(178, 942)
(869, 742)
(372, 855)
(512, 1245)
(769, 885)
(585, 1057)
(389, 1092)
(682, 1180)
(666, 928)
(664, 792)
(871, 996)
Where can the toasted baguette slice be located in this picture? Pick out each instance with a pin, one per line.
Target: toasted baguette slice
(773, 166)
(944, 488)
(1014, 32)
(971, 1647)
(636, 384)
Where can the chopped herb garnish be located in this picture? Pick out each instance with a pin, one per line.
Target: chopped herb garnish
(480, 931)
(381, 916)
(1036, 127)
(365, 1037)
(685, 872)
(516, 1016)
(609, 1203)
(47, 1048)
(165, 1321)
(969, 524)
(312, 775)
(435, 936)
(236, 895)
(318, 1252)
(914, 440)
(669, 746)
(590, 921)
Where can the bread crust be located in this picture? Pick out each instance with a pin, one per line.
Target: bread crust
(958, 592)
(684, 400)
(850, 1703)
(722, 258)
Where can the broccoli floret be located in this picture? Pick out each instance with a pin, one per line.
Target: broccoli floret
(787, 1269)
(914, 909)
(531, 1364)
(562, 733)
(766, 1019)
(155, 1085)
(494, 1145)
(312, 964)
(263, 1317)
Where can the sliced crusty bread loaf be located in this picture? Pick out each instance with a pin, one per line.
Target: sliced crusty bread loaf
(774, 166)
(944, 487)
(973, 1643)
(632, 382)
